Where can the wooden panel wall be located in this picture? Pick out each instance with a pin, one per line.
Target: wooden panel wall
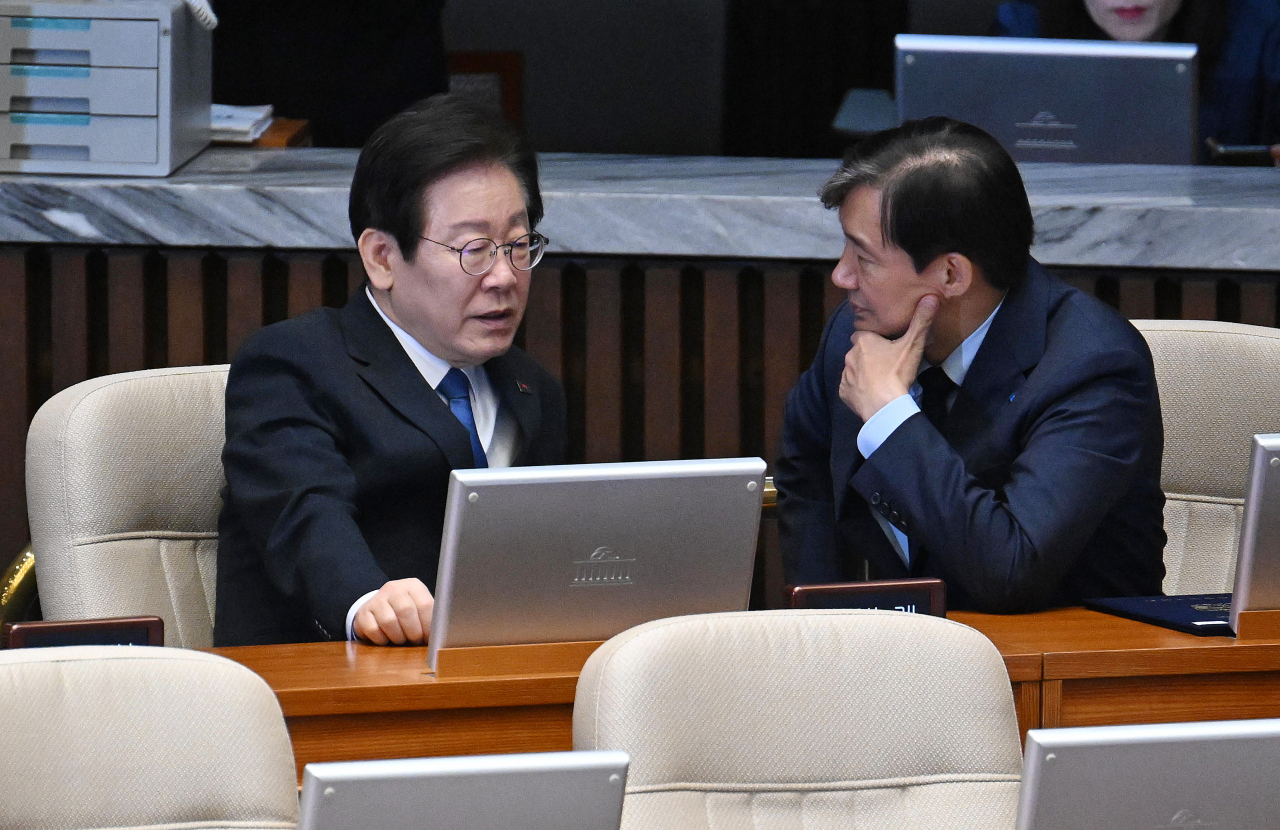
(660, 359)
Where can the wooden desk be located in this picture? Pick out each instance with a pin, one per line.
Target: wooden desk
(1098, 669)
(1069, 667)
(348, 701)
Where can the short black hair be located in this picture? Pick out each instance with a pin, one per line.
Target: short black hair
(418, 147)
(946, 187)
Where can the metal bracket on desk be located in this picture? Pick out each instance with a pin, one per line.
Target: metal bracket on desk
(525, 659)
(1258, 625)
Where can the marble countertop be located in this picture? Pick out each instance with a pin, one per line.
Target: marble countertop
(724, 208)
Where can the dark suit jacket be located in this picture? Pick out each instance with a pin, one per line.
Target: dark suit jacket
(1044, 489)
(337, 461)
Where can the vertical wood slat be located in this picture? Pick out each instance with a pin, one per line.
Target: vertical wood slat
(832, 296)
(1138, 298)
(723, 438)
(244, 300)
(1258, 303)
(542, 321)
(125, 312)
(661, 364)
(306, 284)
(1199, 300)
(356, 275)
(781, 351)
(69, 318)
(186, 309)
(13, 402)
(604, 358)
(1085, 284)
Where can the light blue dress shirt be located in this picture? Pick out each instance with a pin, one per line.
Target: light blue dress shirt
(881, 425)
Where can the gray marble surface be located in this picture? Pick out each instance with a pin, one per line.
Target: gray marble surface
(1135, 216)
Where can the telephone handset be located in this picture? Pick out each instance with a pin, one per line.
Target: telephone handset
(201, 11)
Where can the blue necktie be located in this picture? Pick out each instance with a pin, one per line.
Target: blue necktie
(458, 390)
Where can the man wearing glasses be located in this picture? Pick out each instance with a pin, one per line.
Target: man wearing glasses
(343, 426)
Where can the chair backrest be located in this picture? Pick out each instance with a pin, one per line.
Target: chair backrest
(1219, 385)
(137, 737)
(123, 480)
(781, 719)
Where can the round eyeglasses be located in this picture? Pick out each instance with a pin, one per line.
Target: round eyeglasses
(478, 256)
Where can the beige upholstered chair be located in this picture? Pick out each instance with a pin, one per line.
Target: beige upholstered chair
(1219, 384)
(123, 476)
(140, 738)
(814, 719)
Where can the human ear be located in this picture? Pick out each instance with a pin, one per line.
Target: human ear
(379, 252)
(955, 274)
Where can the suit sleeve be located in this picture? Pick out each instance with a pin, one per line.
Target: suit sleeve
(291, 486)
(1009, 544)
(802, 474)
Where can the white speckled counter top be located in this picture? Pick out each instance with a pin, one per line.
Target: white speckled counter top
(724, 208)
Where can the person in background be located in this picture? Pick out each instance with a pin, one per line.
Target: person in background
(344, 66)
(1239, 42)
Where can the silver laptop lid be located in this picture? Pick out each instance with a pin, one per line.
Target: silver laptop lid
(1223, 775)
(537, 791)
(1257, 584)
(585, 551)
(1058, 100)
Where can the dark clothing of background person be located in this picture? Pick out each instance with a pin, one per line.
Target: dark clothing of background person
(1239, 44)
(344, 65)
(337, 463)
(1043, 488)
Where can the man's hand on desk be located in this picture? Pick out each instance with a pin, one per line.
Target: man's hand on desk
(399, 613)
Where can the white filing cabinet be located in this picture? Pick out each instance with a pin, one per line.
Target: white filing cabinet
(111, 87)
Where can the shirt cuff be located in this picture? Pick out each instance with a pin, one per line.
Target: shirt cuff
(351, 613)
(881, 425)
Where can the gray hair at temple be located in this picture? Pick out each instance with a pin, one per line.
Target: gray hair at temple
(946, 187)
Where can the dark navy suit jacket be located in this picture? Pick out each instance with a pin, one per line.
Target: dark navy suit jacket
(1043, 490)
(337, 461)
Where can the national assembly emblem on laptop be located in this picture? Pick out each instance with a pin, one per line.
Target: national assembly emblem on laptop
(604, 566)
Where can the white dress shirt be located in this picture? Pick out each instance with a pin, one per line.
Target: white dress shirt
(881, 425)
(498, 430)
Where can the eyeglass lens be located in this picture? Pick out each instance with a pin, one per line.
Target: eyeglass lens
(478, 255)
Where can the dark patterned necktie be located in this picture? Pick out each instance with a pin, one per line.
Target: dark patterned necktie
(937, 388)
(457, 389)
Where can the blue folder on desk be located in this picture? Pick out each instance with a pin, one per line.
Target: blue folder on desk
(1203, 614)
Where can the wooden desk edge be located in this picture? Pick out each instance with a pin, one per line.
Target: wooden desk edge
(398, 680)
(1190, 659)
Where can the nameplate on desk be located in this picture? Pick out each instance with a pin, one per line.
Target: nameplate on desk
(522, 659)
(914, 596)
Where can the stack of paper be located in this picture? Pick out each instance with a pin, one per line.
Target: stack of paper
(239, 124)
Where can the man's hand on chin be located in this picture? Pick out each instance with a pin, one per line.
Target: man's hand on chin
(878, 370)
(399, 614)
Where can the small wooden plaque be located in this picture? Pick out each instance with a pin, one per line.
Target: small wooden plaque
(524, 659)
(1258, 625)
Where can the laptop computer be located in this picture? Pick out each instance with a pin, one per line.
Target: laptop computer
(1058, 100)
(1223, 774)
(1257, 582)
(582, 552)
(536, 791)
